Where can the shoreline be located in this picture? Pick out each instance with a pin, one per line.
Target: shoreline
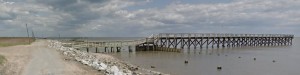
(106, 63)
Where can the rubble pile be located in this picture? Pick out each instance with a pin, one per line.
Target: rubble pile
(108, 65)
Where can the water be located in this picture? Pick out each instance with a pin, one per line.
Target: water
(206, 61)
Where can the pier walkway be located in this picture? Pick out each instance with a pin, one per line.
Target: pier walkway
(177, 41)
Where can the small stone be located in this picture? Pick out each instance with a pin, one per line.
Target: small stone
(240, 57)
(218, 54)
(226, 55)
(254, 58)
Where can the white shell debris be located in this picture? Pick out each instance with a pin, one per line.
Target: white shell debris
(110, 66)
(102, 66)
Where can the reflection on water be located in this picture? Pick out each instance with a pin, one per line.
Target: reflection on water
(206, 61)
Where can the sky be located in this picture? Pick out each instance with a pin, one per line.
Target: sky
(139, 18)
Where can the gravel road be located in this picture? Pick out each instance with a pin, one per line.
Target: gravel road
(47, 61)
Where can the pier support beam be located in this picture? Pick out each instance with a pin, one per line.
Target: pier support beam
(129, 49)
(87, 49)
(96, 48)
(118, 49)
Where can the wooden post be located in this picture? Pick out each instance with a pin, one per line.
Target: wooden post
(27, 34)
(96, 49)
(129, 49)
(147, 41)
(118, 49)
(207, 42)
(87, 49)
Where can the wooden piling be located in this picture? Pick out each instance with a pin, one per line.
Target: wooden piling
(87, 49)
(96, 49)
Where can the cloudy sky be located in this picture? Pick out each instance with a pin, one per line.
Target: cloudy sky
(107, 18)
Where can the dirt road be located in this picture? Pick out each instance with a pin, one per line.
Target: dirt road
(38, 59)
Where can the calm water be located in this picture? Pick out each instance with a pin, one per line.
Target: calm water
(205, 61)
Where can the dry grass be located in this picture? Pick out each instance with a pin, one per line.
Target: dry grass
(12, 41)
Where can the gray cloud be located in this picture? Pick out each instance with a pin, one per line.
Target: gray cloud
(111, 17)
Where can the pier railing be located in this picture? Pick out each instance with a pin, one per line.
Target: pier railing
(220, 35)
(197, 39)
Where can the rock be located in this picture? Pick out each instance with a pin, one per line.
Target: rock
(114, 69)
(84, 62)
(133, 68)
(95, 64)
(127, 72)
(254, 58)
(239, 57)
(65, 53)
(273, 61)
(118, 73)
(102, 66)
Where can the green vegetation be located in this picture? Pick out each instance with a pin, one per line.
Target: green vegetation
(2, 59)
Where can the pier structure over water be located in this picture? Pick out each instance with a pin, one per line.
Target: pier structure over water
(213, 40)
(179, 41)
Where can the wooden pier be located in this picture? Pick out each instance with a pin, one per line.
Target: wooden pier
(206, 40)
(178, 41)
